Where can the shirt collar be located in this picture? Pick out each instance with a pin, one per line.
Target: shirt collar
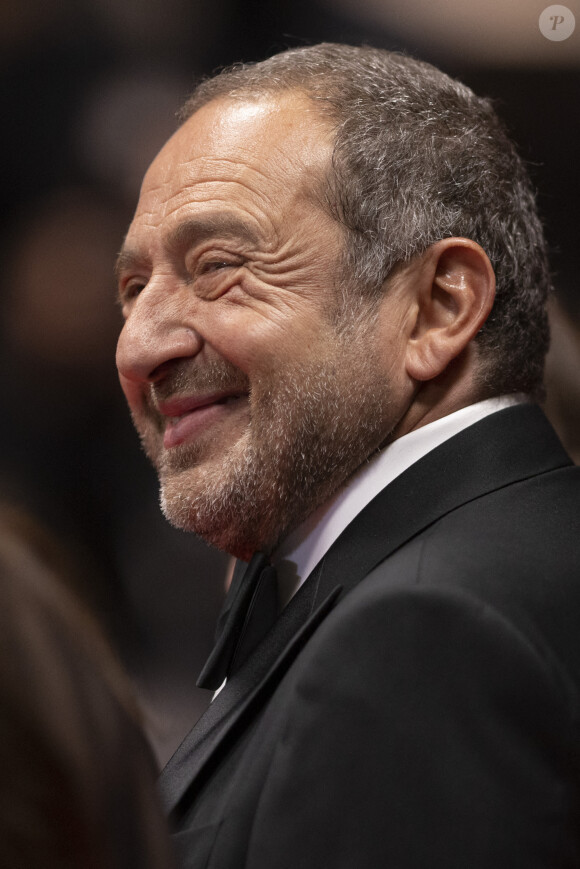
(301, 551)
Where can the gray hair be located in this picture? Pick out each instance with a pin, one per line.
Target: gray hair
(419, 157)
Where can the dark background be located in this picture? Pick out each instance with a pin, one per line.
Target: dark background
(88, 93)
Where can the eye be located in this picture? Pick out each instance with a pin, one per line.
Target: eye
(130, 290)
(210, 264)
(214, 266)
(214, 273)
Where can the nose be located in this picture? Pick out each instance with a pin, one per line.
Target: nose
(154, 335)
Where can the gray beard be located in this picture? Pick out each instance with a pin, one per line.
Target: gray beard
(307, 435)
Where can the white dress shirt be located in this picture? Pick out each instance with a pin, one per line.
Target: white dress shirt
(301, 551)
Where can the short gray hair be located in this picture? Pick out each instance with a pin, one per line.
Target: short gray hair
(419, 157)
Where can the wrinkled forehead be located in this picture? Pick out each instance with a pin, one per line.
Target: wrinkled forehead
(282, 137)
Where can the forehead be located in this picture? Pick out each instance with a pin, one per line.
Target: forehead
(266, 153)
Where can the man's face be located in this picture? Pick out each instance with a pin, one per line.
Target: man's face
(253, 397)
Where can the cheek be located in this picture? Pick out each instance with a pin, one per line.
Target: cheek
(249, 340)
(261, 318)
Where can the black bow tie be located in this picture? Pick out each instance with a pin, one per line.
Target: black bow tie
(249, 611)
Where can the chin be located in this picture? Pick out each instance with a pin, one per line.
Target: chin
(220, 517)
(214, 530)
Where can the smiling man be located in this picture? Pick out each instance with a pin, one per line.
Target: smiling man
(334, 295)
(259, 399)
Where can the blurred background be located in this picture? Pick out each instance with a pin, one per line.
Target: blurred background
(88, 93)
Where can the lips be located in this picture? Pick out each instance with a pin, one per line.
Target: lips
(187, 417)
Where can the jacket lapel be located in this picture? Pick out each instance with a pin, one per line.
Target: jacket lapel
(236, 703)
(503, 448)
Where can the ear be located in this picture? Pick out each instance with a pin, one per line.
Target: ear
(454, 294)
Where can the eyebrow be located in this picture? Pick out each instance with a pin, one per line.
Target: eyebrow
(127, 260)
(190, 232)
(198, 229)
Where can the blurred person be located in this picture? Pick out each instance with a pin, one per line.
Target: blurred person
(334, 290)
(78, 778)
(62, 426)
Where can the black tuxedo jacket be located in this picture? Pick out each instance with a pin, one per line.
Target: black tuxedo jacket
(417, 703)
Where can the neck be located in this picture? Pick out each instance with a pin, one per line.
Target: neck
(454, 389)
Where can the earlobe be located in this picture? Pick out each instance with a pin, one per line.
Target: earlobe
(455, 290)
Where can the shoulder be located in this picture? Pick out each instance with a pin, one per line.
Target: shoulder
(500, 570)
(387, 632)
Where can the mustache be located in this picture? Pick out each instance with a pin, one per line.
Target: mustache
(189, 377)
